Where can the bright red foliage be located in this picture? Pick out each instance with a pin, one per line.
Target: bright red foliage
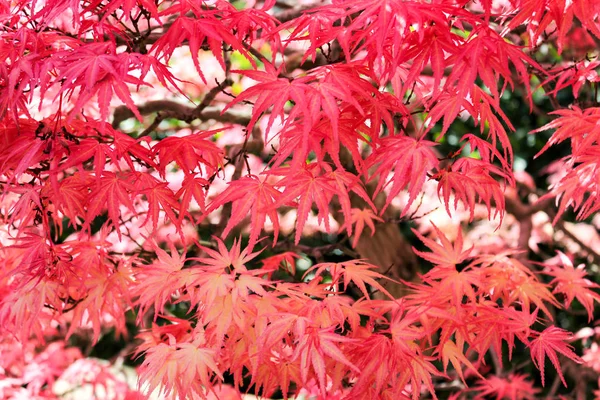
(324, 117)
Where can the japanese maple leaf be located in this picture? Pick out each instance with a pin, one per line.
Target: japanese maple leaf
(580, 126)
(191, 188)
(226, 259)
(96, 68)
(21, 210)
(530, 290)
(539, 15)
(381, 27)
(470, 180)
(409, 159)
(488, 110)
(445, 253)
(20, 155)
(253, 195)
(428, 47)
(359, 218)
(375, 369)
(573, 284)
(251, 24)
(578, 188)
(180, 329)
(161, 198)
(505, 277)
(495, 325)
(158, 280)
(247, 283)
(124, 6)
(102, 298)
(22, 309)
(418, 372)
(281, 373)
(218, 283)
(584, 10)
(129, 149)
(190, 151)
(513, 387)
(196, 363)
(307, 185)
(346, 182)
(316, 27)
(381, 109)
(487, 55)
(447, 107)
(178, 368)
(485, 149)
(275, 92)
(454, 354)
(223, 280)
(37, 253)
(313, 347)
(159, 368)
(315, 96)
(286, 260)
(447, 282)
(85, 150)
(321, 142)
(547, 343)
(206, 28)
(575, 77)
(343, 83)
(112, 191)
(357, 271)
(212, 291)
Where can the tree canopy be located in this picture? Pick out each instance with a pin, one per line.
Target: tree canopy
(346, 199)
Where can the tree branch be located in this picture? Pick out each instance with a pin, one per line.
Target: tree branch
(590, 252)
(176, 110)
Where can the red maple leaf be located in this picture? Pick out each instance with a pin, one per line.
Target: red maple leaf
(161, 199)
(547, 343)
(252, 195)
(444, 254)
(359, 272)
(112, 191)
(96, 69)
(573, 284)
(206, 28)
(469, 180)
(307, 186)
(189, 152)
(513, 387)
(409, 159)
(359, 218)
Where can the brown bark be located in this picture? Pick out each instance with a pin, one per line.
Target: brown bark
(388, 249)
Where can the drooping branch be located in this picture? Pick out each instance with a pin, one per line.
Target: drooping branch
(587, 249)
(523, 213)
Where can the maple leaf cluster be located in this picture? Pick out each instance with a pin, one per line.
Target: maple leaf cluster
(132, 206)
